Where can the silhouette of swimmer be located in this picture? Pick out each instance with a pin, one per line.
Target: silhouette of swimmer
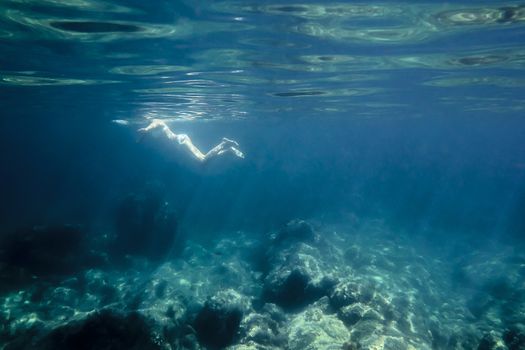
(226, 146)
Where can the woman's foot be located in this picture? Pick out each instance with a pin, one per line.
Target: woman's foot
(237, 152)
(228, 145)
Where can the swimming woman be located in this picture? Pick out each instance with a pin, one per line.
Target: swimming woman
(226, 146)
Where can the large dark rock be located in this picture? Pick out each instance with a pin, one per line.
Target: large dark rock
(293, 232)
(296, 285)
(351, 314)
(488, 342)
(145, 225)
(103, 330)
(264, 328)
(45, 251)
(349, 292)
(217, 323)
(297, 274)
(514, 339)
(316, 328)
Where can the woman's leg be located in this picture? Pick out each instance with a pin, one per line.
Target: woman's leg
(225, 146)
(185, 140)
(157, 123)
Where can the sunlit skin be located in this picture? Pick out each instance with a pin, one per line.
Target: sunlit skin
(226, 146)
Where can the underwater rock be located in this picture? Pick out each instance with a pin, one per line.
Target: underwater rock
(385, 343)
(45, 251)
(295, 231)
(350, 292)
(493, 288)
(315, 329)
(371, 333)
(299, 281)
(514, 339)
(490, 342)
(145, 226)
(350, 345)
(344, 294)
(261, 330)
(104, 329)
(217, 323)
(308, 296)
(275, 312)
(351, 314)
(297, 274)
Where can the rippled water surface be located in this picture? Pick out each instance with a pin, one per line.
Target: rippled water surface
(263, 59)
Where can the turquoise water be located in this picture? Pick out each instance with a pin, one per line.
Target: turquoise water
(396, 130)
(261, 60)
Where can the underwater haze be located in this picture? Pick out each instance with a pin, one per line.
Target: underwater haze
(369, 193)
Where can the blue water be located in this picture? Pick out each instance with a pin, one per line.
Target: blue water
(394, 117)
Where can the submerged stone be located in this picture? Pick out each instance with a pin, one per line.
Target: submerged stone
(261, 330)
(351, 314)
(490, 342)
(314, 329)
(217, 323)
(45, 251)
(297, 273)
(103, 330)
(514, 339)
(295, 231)
(349, 292)
(297, 283)
(344, 294)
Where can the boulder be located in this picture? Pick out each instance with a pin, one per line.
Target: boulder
(104, 329)
(45, 251)
(490, 341)
(217, 323)
(293, 232)
(315, 329)
(296, 272)
(514, 339)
